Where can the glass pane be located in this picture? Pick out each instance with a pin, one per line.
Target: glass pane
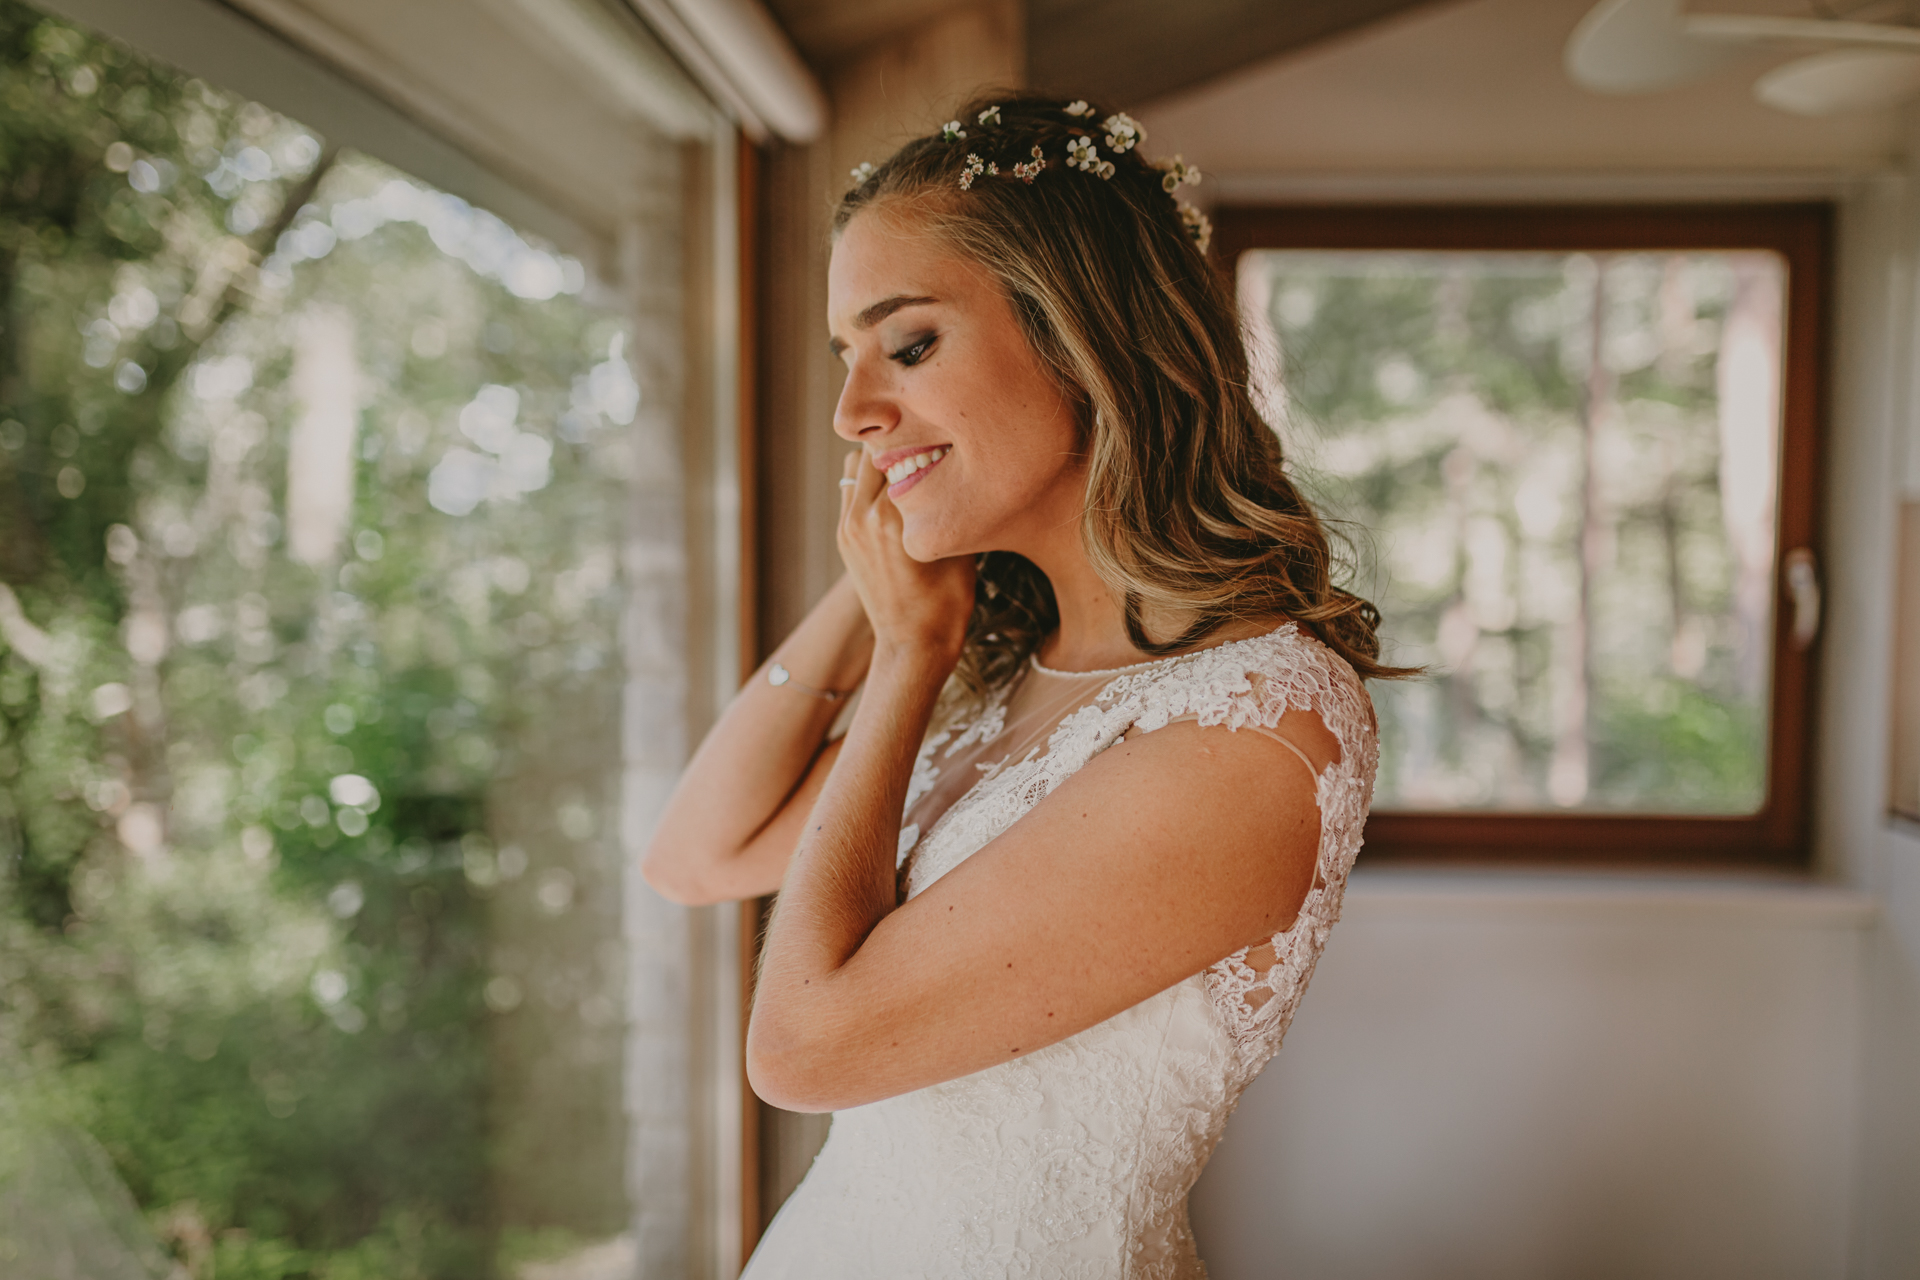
(310, 956)
(1562, 471)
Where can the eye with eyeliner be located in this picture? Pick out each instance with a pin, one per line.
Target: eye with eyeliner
(914, 352)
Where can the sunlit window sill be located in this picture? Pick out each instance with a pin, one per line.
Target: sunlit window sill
(1746, 896)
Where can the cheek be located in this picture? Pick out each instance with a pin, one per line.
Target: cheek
(1014, 461)
(1023, 463)
(991, 501)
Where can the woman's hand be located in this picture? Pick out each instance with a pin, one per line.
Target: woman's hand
(911, 605)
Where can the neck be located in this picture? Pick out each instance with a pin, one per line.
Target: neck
(1093, 630)
(1092, 635)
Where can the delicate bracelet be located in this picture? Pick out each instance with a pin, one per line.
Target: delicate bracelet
(777, 674)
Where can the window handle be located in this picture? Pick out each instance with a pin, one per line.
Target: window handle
(1803, 585)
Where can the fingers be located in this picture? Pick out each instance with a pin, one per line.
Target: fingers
(869, 480)
(860, 498)
(849, 470)
(873, 481)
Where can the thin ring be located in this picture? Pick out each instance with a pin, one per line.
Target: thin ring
(848, 480)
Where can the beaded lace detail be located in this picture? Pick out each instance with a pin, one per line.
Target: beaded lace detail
(1075, 1160)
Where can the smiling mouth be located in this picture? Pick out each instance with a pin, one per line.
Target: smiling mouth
(903, 474)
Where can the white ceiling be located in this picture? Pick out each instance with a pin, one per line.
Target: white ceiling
(1478, 86)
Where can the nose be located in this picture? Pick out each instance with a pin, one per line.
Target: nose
(865, 409)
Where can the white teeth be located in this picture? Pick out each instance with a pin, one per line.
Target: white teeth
(907, 466)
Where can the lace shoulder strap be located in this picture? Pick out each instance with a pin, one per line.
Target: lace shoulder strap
(1255, 683)
(1241, 683)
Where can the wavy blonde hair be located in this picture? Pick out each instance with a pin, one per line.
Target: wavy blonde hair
(1190, 513)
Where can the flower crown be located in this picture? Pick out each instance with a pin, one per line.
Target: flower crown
(1120, 132)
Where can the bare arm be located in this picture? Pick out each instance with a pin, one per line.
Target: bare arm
(1159, 857)
(1155, 860)
(734, 819)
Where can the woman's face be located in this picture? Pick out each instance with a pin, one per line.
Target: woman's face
(945, 395)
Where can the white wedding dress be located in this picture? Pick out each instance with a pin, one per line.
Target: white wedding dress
(1075, 1161)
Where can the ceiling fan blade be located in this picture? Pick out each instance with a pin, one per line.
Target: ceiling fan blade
(1844, 80)
(1742, 28)
(1638, 46)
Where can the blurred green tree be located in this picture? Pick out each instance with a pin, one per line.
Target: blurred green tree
(309, 507)
(1555, 543)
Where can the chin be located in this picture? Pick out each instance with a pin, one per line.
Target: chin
(927, 545)
(921, 547)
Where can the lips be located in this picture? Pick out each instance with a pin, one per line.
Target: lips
(905, 469)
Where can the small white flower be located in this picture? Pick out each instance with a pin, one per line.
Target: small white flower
(1179, 174)
(1079, 107)
(991, 116)
(1123, 131)
(1028, 172)
(951, 131)
(1197, 225)
(973, 169)
(1081, 155)
(861, 172)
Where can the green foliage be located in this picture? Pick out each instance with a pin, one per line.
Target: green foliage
(244, 850)
(542, 1244)
(1553, 539)
(1697, 752)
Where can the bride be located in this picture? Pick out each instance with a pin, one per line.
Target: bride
(1049, 904)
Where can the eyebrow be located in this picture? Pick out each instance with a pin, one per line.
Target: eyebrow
(879, 311)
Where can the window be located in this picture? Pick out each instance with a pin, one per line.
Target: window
(313, 487)
(1580, 447)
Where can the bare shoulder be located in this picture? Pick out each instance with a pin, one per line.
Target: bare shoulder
(1161, 855)
(1178, 822)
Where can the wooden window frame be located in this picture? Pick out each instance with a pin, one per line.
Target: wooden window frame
(1777, 836)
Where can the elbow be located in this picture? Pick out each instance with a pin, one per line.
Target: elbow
(785, 1072)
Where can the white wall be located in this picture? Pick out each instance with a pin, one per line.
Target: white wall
(1876, 407)
(1887, 1233)
(1567, 1076)
(1531, 1076)
(1890, 1149)
(1615, 1076)
(1610, 1076)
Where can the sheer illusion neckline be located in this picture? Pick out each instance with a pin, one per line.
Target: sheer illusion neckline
(1033, 659)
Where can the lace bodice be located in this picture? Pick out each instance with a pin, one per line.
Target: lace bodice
(1075, 1161)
